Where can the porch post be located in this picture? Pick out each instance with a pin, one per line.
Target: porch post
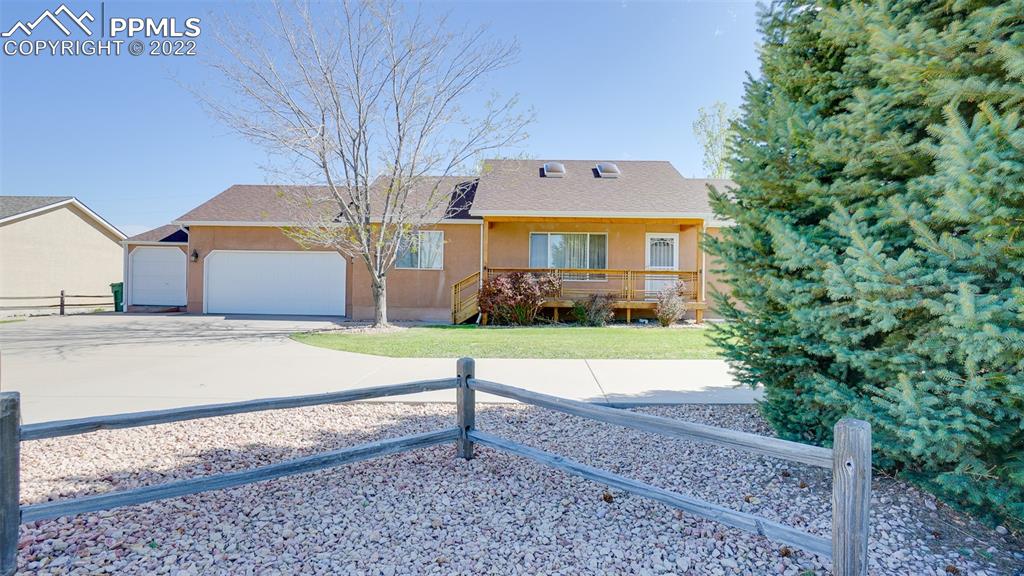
(698, 314)
(484, 239)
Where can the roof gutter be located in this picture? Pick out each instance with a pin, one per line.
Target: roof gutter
(184, 223)
(709, 218)
(151, 243)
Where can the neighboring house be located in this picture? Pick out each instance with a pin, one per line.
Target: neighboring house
(54, 243)
(628, 229)
(155, 269)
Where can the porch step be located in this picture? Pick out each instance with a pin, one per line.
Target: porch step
(464, 314)
(464, 298)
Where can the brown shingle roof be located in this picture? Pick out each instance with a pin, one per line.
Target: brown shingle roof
(509, 187)
(276, 204)
(247, 203)
(166, 233)
(644, 189)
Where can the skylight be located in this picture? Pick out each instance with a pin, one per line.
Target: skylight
(608, 170)
(554, 170)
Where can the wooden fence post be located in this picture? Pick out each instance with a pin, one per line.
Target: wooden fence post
(851, 497)
(10, 512)
(466, 399)
(61, 302)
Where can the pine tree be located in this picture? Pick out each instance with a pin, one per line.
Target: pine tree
(878, 259)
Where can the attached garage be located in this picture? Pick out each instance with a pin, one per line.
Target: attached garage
(274, 282)
(156, 276)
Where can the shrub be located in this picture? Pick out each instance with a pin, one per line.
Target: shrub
(515, 298)
(594, 310)
(670, 304)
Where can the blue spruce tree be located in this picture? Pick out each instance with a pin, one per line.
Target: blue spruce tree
(878, 259)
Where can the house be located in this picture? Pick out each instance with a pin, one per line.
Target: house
(155, 269)
(54, 243)
(627, 228)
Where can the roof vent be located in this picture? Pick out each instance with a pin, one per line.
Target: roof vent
(554, 170)
(608, 170)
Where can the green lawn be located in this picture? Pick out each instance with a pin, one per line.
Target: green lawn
(545, 342)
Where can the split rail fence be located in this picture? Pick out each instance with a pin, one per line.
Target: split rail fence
(850, 461)
(61, 301)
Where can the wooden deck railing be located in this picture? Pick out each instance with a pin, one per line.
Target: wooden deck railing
(850, 461)
(622, 284)
(630, 288)
(63, 301)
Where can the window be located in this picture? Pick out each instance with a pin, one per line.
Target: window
(558, 250)
(423, 251)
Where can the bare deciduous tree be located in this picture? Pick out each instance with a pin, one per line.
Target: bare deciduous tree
(713, 127)
(365, 102)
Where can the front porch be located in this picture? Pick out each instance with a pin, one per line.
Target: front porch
(630, 260)
(631, 289)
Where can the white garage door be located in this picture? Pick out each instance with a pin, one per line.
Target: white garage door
(253, 282)
(157, 276)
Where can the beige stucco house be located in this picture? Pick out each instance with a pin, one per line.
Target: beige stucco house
(626, 228)
(54, 243)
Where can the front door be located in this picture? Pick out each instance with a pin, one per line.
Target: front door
(662, 254)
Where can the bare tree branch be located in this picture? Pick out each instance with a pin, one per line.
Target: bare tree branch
(367, 101)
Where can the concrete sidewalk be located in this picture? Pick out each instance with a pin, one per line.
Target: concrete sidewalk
(103, 364)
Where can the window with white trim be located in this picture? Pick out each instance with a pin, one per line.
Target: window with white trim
(561, 250)
(422, 251)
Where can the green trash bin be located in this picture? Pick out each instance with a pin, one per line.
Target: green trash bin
(118, 289)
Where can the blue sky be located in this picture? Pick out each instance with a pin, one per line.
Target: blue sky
(607, 80)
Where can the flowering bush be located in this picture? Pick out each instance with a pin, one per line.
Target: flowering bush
(516, 298)
(594, 310)
(670, 305)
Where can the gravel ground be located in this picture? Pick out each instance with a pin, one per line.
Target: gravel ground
(427, 512)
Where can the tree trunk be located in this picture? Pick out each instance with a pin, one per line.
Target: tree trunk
(379, 287)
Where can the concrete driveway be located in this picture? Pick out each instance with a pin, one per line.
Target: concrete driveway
(83, 365)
